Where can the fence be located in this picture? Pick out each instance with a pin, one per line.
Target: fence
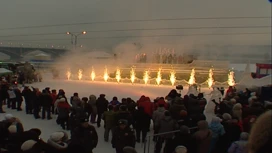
(147, 143)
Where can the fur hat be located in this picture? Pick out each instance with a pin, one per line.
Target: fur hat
(8, 116)
(12, 129)
(260, 138)
(129, 150)
(62, 100)
(181, 149)
(27, 145)
(226, 116)
(244, 136)
(57, 136)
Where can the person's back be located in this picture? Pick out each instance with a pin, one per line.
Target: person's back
(110, 119)
(158, 115)
(241, 145)
(203, 137)
(167, 124)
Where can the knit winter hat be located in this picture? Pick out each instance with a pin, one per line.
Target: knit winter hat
(27, 145)
(12, 129)
(57, 136)
(129, 150)
(181, 149)
(244, 136)
(8, 116)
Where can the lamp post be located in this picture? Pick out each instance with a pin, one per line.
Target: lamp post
(74, 42)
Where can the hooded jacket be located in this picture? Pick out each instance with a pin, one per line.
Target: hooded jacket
(92, 104)
(158, 115)
(167, 124)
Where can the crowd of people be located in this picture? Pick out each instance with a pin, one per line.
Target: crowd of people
(241, 124)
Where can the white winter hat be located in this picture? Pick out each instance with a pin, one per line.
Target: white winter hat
(8, 116)
(57, 136)
(62, 100)
(12, 129)
(181, 149)
(27, 145)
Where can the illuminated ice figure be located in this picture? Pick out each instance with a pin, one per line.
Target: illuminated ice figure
(118, 75)
(210, 79)
(80, 74)
(132, 75)
(106, 75)
(231, 79)
(68, 74)
(173, 77)
(192, 77)
(159, 77)
(146, 77)
(92, 75)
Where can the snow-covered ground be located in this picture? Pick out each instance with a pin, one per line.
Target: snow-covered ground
(86, 88)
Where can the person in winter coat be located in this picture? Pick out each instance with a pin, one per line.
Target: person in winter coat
(77, 114)
(27, 94)
(93, 108)
(157, 117)
(124, 114)
(102, 106)
(12, 98)
(167, 124)
(37, 146)
(84, 136)
(54, 98)
(109, 118)
(260, 138)
(160, 101)
(76, 101)
(202, 138)
(241, 145)
(63, 113)
(19, 98)
(115, 103)
(147, 105)
(182, 138)
(58, 140)
(202, 102)
(17, 139)
(142, 122)
(46, 101)
(123, 136)
(217, 131)
(237, 111)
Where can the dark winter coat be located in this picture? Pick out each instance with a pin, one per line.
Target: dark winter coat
(102, 105)
(27, 94)
(18, 94)
(125, 115)
(202, 139)
(86, 138)
(142, 120)
(46, 100)
(167, 124)
(122, 138)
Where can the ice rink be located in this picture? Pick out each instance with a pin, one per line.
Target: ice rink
(86, 88)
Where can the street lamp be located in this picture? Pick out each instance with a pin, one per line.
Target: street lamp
(75, 35)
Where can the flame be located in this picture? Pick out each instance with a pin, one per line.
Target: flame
(210, 79)
(106, 75)
(68, 74)
(172, 77)
(159, 77)
(146, 77)
(80, 74)
(192, 77)
(92, 75)
(132, 75)
(118, 75)
(231, 80)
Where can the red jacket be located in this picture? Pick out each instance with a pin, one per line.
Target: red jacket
(161, 102)
(64, 105)
(147, 105)
(54, 97)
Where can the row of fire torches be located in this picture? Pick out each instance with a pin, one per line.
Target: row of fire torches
(146, 76)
